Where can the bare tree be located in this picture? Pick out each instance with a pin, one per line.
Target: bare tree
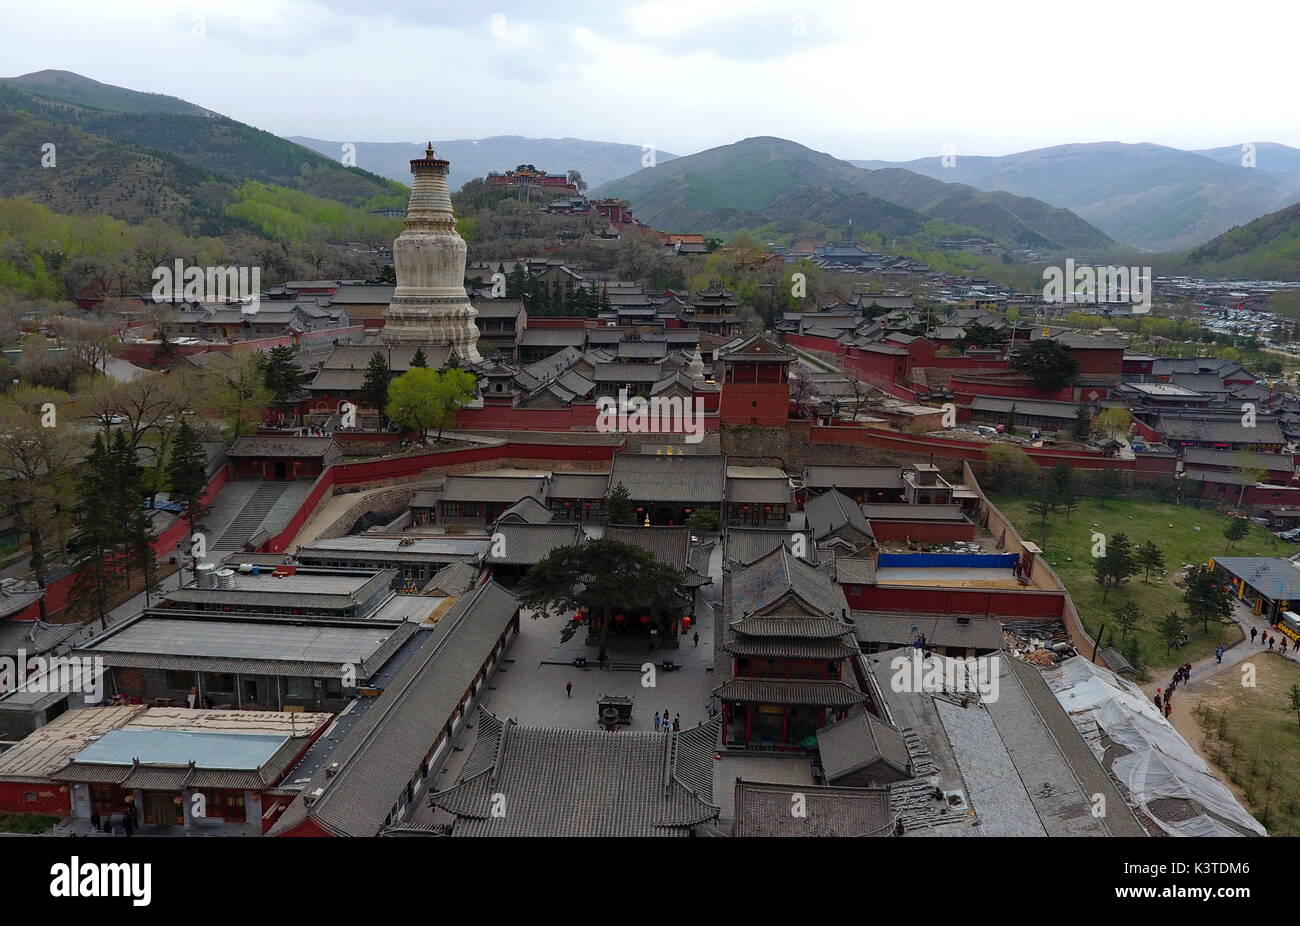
(39, 455)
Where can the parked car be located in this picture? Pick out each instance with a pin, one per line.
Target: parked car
(1292, 535)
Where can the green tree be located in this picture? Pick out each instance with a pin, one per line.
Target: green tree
(704, 520)
(419, 360)
(40, 468)
(1050, 364)
(374, 388)
(1082, 426)
(1293, 699)
(187, 477)
(1133, 652)
(1007, 466)
(421, 398)
(1117, 565)
(1205, 597)
(1170, 629)
(1149, 556)
(98, 571)
(284, 378)
(618, 506)
(603, 578)
(1236, 530)
(1128, 616)
(236, 391)
(1114, 422)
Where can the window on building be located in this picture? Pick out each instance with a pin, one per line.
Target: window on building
(180, 681)
(219, 682)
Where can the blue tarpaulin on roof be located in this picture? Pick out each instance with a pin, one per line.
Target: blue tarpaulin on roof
(948, 560)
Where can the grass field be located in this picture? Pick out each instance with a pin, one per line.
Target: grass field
(1253, 736)
(1173, 528)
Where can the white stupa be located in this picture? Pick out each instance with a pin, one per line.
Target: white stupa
(429, 305)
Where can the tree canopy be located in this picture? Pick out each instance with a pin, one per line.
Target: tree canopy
(1050, 364)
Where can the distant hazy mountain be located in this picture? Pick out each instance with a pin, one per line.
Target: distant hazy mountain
(774, 178)
(597, 161)
(135, 155)
(1149, 196)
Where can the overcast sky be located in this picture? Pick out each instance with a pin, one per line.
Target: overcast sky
(862, 79)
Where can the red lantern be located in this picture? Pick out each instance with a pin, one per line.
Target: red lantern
(645, 618)
(619, 618)
(686, 622)
(578, 617)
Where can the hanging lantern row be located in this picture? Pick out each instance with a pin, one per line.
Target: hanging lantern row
(619, 618)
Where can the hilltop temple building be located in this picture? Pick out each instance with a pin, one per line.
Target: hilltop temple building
(429, 305)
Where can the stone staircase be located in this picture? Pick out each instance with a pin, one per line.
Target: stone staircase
(251, 516)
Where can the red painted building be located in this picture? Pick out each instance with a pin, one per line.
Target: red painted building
(755, 383)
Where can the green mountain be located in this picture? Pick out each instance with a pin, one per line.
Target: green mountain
(135, 155)
(772, 178)
(1267, 248)
(1149, 196)
(91, 94)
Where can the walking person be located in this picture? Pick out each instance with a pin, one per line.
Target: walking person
(1159, 704)
(1168, 708)
(656, 721)
(696, 637)
(568, 689)
(1218, 654)
(1253, 632)
(677, 723)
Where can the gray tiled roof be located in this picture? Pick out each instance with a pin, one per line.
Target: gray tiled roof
(669, 545)
(939, 630)
(817, 476)
(764, 810)
(758, 491)
(529, 544)
(564, 782)
(455, 579)
(860, 741)
(33, 637)
(458, 488)
(284, 447)
(814, 692)
(688, 477)
(528, 510)
(776, 577)
(318, 656)
(579, 485)
(902, 511)
(1222, 430)
(746, 544)
(833, 511)
(383, 752)
(787, 626)
(774, 647)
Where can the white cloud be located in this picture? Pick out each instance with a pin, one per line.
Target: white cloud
(854, 79)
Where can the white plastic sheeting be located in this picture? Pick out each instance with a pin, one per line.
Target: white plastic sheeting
(1159, 764)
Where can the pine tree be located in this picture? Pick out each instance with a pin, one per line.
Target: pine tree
(419, 360)
(374, 389)
(618, 506)
(187, 477)
(97, 576)
(284, 378)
